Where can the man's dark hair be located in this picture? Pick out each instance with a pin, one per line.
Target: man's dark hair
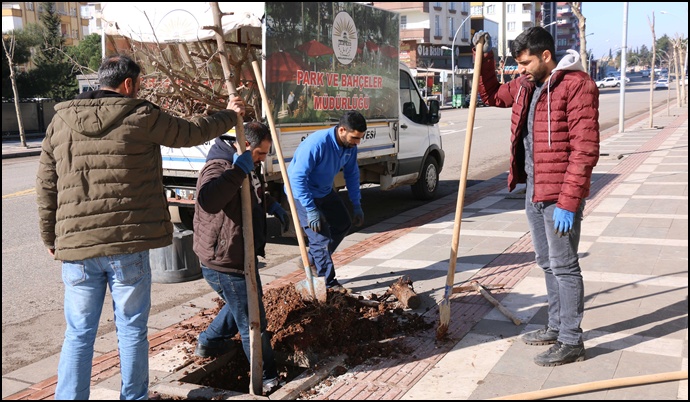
(116, 69)
(256, 132)
(536, 40)
(353, 121)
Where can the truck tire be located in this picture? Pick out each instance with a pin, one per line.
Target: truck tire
(425, 188)
(186, 217)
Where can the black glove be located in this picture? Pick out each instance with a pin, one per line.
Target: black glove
(278, 211)
(358, 218)
(487, 40)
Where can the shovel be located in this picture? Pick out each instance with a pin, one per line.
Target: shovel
(312, 288)
(444, 309)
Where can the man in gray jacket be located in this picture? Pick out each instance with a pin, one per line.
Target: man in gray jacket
(102, 207)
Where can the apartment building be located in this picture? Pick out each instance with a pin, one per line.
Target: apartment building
(74, 26)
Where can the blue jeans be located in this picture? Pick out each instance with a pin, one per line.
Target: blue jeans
(335, 225)
(557, 256)
(234, 316)
(128, 276)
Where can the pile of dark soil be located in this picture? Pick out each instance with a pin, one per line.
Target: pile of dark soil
(304, 332)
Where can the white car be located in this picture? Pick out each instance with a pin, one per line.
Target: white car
(618, 77)
(608, 82)
(661, 83)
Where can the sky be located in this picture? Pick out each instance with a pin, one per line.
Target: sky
(605, 21)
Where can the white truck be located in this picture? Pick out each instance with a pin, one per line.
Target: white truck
(328, 57)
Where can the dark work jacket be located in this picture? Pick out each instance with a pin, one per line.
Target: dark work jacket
(218, 236)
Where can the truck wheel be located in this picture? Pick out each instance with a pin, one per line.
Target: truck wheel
(186, 218)
(425, 188)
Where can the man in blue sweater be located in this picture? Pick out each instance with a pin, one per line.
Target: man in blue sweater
(321, 211)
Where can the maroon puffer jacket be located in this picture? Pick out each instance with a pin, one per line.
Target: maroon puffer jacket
(565, 155)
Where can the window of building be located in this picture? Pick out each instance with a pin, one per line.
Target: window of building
(451, 6)
(437, 25)
(491, 9)
(562, 42)
(403, 22)
(511, 26)
(30, 6)
(451, 28)
(510, 8)
(476, 10)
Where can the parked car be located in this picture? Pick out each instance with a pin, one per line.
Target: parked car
(645, 73)
(608, 82)
(661, 83)
(618, 77)
(479, 101)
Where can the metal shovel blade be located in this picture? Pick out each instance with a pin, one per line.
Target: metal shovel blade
(317, 284)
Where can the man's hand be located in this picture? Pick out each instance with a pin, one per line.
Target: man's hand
(562, 221)
(358, 219)
(236, 104)
(278, 211)
(487, 40)
(244, 161)
(314, 218)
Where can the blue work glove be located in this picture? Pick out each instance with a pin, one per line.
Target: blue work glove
(244, 161)
(358, 219)
(562, 221)
(278, 211)
(314, 218)
(487, 40)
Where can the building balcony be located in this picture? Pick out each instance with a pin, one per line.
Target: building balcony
(403, 5)
(420, 35)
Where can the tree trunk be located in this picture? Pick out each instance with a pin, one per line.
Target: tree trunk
(582, 25)
(402, 290)
(651, 73)
(10, 62)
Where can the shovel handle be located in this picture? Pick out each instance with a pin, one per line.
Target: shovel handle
(283, 172)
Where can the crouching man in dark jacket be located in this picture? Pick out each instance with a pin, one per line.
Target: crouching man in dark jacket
(219, 242)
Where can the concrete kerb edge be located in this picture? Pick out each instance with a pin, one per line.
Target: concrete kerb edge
(177, 385)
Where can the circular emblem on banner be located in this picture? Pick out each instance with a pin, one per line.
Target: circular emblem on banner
(344, 38)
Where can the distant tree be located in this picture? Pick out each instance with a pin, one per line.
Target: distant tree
(87, 54)
(645, 56)
(24, 40)
(53, 76)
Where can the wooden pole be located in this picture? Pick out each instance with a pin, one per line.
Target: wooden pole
(495, 302)
(288, 188)
(444, 309)
(598, 386)
(256, 361)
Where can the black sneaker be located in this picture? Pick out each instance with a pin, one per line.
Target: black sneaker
(560, 353)
(544, 336)
(207, 351)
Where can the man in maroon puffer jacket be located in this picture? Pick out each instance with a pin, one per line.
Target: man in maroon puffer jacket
(554, 147)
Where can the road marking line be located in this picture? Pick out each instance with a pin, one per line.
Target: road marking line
(19, 193)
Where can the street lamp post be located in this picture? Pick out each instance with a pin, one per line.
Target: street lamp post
(452, 55)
